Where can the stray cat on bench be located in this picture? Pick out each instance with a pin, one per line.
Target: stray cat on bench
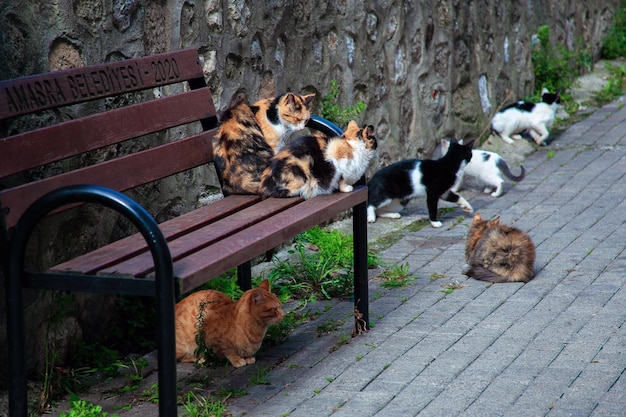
(230, 329)
(392, 187)
(534, 117)
(249, 136)
(314, 165)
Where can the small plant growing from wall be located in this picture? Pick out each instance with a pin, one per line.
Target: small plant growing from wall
(614, 45)
(556, 67)
(333, 111)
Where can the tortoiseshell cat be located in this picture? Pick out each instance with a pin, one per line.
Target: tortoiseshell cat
(498, 253)
(249, 136)
(230, 329)
(314, 165)
(278, 117)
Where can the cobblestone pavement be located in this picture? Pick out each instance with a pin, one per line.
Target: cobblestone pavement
(447, 345)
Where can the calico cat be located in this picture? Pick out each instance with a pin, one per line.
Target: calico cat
(314, 165)
(278, 117)
(249, 136)
(231, 329)
(487, 167)
(523, 115)
(392, 187)
(498, 253)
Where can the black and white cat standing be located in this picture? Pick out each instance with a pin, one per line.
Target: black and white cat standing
(488, 168)
(524, 115)
(392, 187)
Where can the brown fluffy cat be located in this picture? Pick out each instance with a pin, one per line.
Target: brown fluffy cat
(314, 165)
(498, 253)
(230, 329)
(249, 136)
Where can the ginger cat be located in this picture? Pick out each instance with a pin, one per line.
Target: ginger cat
(230, 329)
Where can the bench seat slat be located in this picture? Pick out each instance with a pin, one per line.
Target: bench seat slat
(261, 237)
(125, 248)
(142, 264)
(142, 167)
(63, 140)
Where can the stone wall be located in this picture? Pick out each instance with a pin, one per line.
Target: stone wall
(425, 69)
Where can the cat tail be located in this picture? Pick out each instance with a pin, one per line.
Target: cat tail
(483, 274)
(502, 166)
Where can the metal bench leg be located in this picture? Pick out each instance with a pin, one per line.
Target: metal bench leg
(244, 275)
(18, 406)
(167, 349)
(361, 289)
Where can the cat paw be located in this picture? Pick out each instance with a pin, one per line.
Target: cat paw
(496, 193)
(346, 188)
(436, 224)
(371, 214)
(465, 205)
(239, 363)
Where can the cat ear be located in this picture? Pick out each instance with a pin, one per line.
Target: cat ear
(470, 143)
(351, 130)
(290, 99)
(258, 297)
(265, 284)
(478, 217)
(308, 99)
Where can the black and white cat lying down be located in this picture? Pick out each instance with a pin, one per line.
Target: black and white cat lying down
(392, 187)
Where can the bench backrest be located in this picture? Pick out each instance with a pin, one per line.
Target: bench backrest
(137, 110)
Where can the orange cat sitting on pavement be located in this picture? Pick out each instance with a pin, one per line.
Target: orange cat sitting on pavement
(230, 329)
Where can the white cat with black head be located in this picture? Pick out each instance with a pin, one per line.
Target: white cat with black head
(392, 187)
(509, 122)
(486, 167)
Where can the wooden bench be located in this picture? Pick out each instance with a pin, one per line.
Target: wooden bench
(163, 261)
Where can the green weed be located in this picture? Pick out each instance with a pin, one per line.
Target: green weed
(323, 268)
(450, 287)
(614, 45)
(198, 406)
(435, 276)
(260, 376)
(614, 86)
(556, 67)
(279, 332)
(82, 408)
(396, 277)
(328, 327)
(151, 394)
(333, 111)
